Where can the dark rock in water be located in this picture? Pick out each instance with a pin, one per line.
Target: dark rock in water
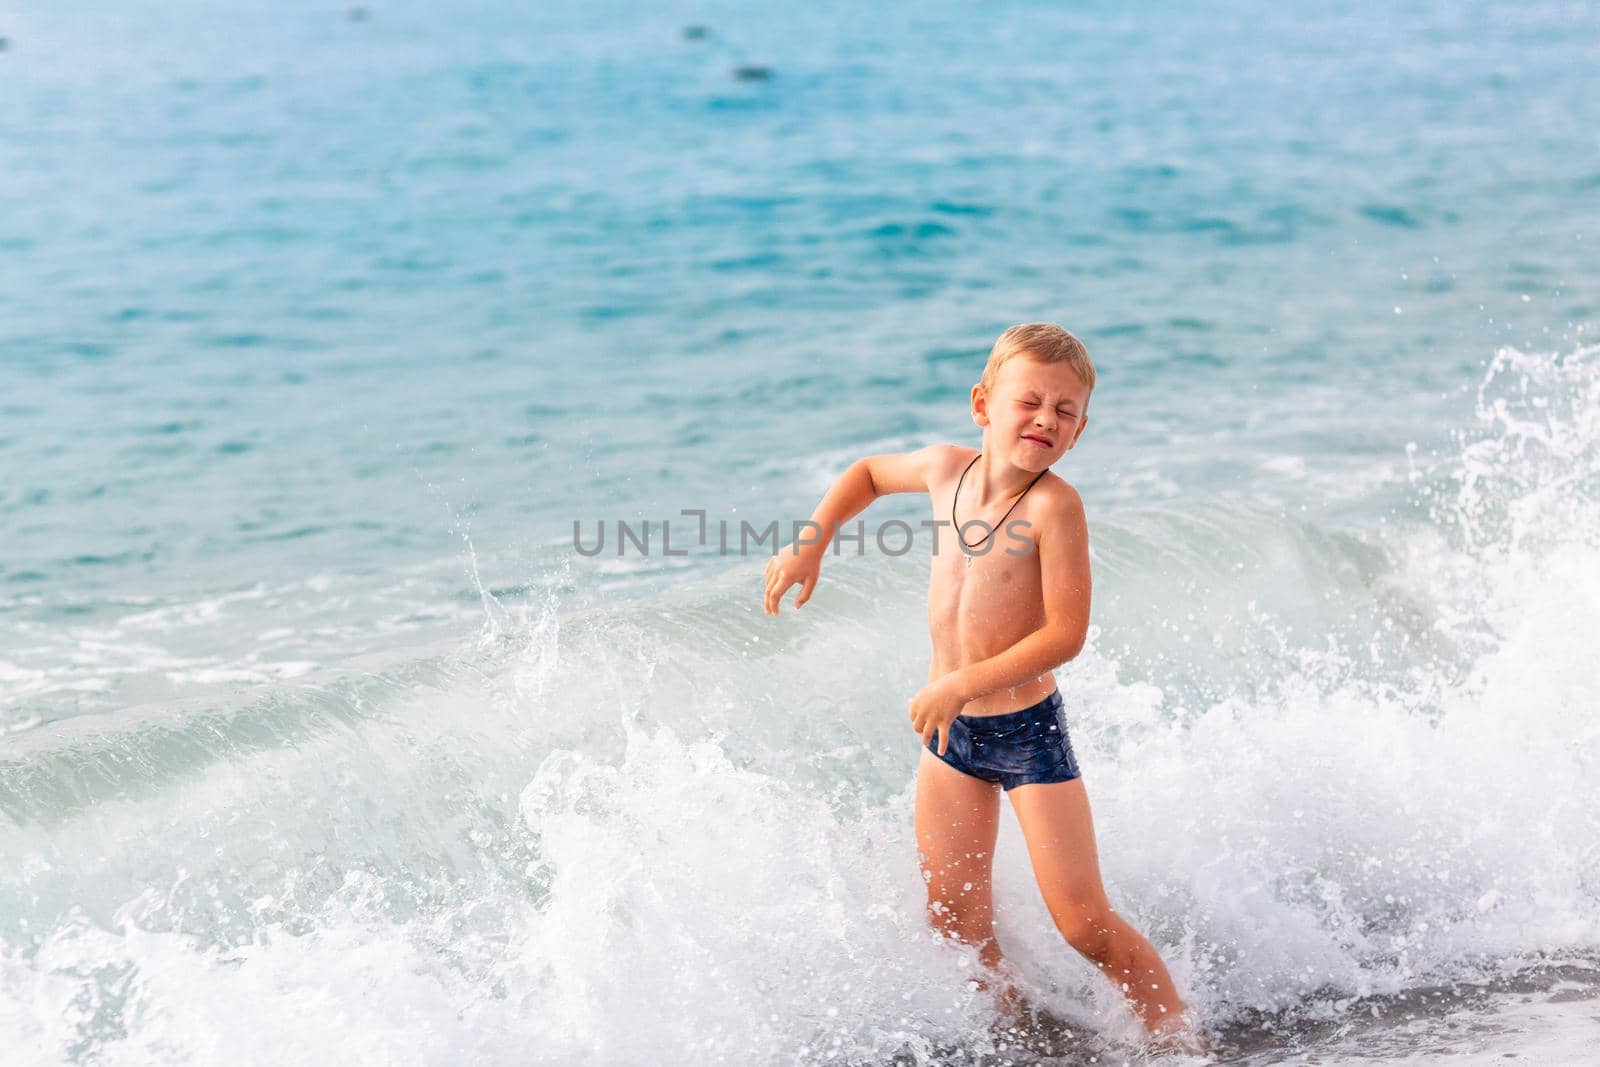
(752, 74)
(356, 13)
(695, 33)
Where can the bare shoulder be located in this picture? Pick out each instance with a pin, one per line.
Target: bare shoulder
(1058, 509)
(913, 472)
(947, 461)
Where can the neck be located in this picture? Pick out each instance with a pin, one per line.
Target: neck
(999, 480)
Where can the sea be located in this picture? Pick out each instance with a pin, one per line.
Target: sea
(387, 391)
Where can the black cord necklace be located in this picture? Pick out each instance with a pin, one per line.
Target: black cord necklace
(957, 496)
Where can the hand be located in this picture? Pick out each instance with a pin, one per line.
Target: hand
(935, 707)
(790, 568)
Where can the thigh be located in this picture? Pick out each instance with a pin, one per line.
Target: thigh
(1059, 830)
(958, 818)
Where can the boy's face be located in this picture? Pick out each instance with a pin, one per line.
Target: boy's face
(1033, 413)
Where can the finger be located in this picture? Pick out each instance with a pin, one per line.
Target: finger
(805, 591)
(944, 739)
(927, 734)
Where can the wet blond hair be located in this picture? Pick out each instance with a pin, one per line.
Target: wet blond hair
(1042, 341)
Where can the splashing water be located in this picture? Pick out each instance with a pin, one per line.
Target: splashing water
(652, 830)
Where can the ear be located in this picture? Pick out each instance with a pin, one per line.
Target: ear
(980, 405)
(1083, 424)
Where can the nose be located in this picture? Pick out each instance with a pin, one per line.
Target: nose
(1045, 419)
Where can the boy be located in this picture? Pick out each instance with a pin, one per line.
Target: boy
(1008, 600)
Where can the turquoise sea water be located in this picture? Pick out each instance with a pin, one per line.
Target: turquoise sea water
(318, 333)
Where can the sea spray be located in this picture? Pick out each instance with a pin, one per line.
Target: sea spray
(663, 826)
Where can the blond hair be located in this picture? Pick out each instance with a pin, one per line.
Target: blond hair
(1042, 341)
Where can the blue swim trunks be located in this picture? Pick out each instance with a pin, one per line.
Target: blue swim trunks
(1017, 748)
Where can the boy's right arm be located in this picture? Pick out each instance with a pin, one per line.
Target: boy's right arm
(863, 481)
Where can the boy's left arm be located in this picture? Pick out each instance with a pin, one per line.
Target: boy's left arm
(1063, 546)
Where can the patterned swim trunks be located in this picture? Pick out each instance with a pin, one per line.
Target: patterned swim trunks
(1016, 748)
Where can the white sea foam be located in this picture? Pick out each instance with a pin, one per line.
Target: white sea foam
(674, 829)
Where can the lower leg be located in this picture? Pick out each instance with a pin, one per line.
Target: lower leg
(1007, 998)
(1059, 830)
(1133, 965)
(997, 975)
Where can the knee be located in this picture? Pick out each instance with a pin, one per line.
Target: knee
(952, 908)
(961, 910)
(968, 929)
(1086, 925)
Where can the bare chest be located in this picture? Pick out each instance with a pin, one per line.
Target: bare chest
(986, 593)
